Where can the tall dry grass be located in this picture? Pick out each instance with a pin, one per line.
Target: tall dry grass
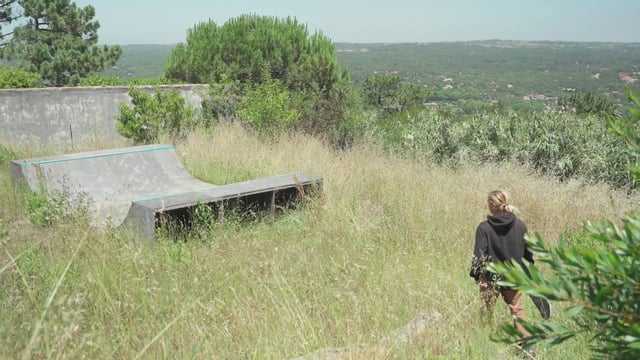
(389, 239)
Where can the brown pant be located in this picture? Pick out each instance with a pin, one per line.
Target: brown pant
(512, 298)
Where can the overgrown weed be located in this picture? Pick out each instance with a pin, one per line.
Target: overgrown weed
(389, 239)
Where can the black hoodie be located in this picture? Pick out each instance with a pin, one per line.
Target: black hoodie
(499, 239)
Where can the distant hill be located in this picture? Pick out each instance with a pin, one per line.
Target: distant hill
(515, 72)
(141, 61)
(519, 73)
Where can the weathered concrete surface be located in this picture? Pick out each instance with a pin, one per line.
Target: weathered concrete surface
(109, 179)
(264, 194)
(134, 186)
(62, 117)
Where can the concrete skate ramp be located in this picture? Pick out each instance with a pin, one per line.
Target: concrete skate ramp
(136, 186)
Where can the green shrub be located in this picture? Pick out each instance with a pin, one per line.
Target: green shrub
(12, 78)
(392, 93)
(267, 107)
(6, 155)
(601, 288)
(114, 80)
(101, 80)
(628, 128)
(164, 112)
(51, 208)
(559, 144)
(223, 100)
(588, 103)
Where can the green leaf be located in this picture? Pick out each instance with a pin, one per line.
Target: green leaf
(574, 310)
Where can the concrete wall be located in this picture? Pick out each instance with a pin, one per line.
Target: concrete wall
(61, 117)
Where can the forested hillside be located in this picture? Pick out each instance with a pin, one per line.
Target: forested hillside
(141, 61)
(515, 73)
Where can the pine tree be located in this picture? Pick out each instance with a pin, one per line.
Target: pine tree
(253, 49)
(55, 39)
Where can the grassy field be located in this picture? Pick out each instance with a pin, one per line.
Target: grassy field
(387, 244)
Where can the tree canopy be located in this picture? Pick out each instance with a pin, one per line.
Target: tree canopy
(588, 103)
(392, 94)
(253, 49)
(250, 57)
(54, 38)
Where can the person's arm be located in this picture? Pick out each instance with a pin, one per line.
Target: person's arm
(480, 252)
(528, 255)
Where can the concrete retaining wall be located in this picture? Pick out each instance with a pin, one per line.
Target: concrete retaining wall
(60, 117)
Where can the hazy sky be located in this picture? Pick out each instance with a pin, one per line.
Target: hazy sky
(166, 22)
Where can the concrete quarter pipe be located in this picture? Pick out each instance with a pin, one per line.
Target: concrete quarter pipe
(135, 186)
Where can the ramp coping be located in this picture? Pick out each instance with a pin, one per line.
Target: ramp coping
(58, 160)
(173, 194)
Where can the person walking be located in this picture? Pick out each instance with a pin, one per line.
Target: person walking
(500, 238)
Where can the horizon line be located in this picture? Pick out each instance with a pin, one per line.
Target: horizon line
(423, 42)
